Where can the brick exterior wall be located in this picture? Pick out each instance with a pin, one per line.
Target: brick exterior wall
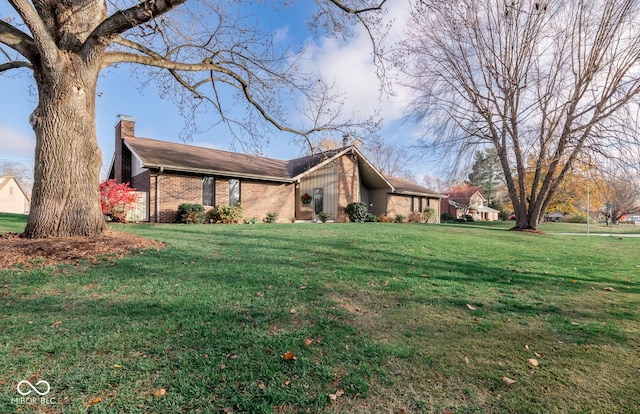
(260, 198)
(175, 189)
(348, 184)
(398, 204)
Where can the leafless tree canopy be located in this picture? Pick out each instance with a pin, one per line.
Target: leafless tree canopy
(542, 82)
(206, 48)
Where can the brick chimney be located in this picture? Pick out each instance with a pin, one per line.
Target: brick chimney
(345, 140)
(125, 128)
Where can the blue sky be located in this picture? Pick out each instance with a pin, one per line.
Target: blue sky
(347, 63)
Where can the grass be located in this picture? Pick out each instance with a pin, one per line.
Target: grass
(380, 318)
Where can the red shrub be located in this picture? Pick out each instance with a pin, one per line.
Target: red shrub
(116, 199)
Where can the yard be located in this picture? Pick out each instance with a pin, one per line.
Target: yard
(353, 318)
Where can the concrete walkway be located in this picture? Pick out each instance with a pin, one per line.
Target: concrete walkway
(597, 234)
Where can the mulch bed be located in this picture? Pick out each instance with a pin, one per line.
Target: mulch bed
(16, 251)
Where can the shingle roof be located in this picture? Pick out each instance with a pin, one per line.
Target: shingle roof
(409, 187)
(182, 157)
(189, 158)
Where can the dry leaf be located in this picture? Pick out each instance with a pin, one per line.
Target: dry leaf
(260, 294)
(533, 362)
(293, 311)
(117, 366)
(227, 410)
(303, 287)
(261, 385)
(94, 401)
(223, 366)
(471, 307)
(288, 356)
(308, 341)
(56, 323)
(508, 381)
(466, 359)
(526, 347)
(385, 283)
(610, 289)
(336, 395)
(287, 382)
(160, 392)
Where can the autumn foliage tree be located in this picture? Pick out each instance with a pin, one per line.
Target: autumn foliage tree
(116, 199)
(194, 49)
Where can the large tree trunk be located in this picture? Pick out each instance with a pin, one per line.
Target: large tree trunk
(65, 199)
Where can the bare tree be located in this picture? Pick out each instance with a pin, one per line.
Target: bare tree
(390, 159)
(542, 82)
(22, 172)
(620, 197)
(206, 48)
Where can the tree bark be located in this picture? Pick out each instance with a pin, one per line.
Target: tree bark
(65, 199)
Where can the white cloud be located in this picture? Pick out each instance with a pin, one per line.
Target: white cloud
(16, 145)
(351, 67)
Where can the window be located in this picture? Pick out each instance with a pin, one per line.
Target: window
(234, 191)
(208, 191)
(412, 208)
(420, 209)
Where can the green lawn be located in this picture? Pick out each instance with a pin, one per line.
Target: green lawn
(379, 317)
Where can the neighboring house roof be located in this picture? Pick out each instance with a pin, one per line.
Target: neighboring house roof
(484, 209)
(188, 158)
(6, 179)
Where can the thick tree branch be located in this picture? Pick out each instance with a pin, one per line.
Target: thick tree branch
(43, 39)
(351, 10)
(18, 41)
(15, 65)
(123, 20)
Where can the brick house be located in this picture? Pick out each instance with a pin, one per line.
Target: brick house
(475, 206)
(297, 189)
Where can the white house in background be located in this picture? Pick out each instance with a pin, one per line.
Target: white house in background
(13, 199)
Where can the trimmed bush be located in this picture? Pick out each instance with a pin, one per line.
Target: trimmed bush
(271, 217)
(191, 213)
(324, 216)
(357, 212)
(400, 218)
(428, 214)
(225, 214)
(446, 217)
(372, 218)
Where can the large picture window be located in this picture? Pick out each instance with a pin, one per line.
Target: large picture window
(234, 191)
(208, 191)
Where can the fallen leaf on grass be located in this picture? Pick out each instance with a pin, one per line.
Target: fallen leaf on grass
(56, 324)
(293, 311)
(160, 392)
(288, 356)
(308, 341)
(508, 381)
(93, 401)
(335, 396)
(533, 362)
(117, 366)
(287, 382)
(260, 294)
(610, 289)
(261, 385)
(227, 410)
(471, 307)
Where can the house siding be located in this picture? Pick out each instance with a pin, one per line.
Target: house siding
(12, 199)
(348, 184)
(326, 178)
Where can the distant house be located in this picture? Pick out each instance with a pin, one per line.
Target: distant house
(554, 217)
(13, 199)
(474, 206)
(297, 189)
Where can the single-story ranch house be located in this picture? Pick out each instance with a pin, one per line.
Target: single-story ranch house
(170, 174)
